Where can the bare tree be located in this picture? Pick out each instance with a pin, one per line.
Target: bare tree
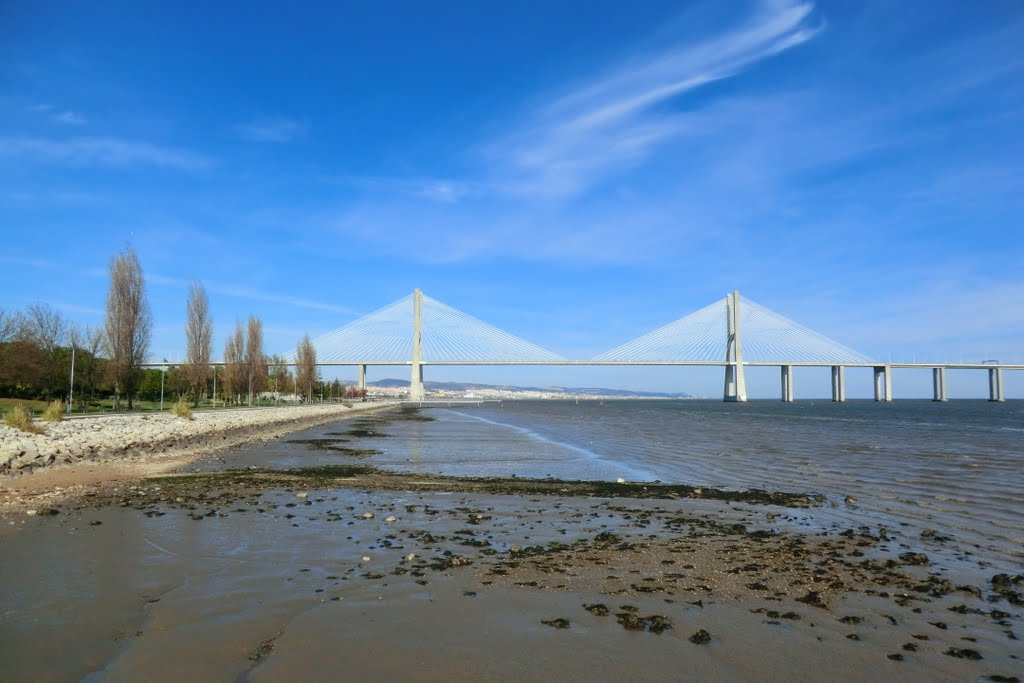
(47, 328)
(12, 333)
(11, 325)
(91, 341)
(255, 360)
(198, 340)
(305, 367)
(234, 362)
(280, 377)
(129, 323)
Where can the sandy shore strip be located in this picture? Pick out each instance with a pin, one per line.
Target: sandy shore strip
(73, 454)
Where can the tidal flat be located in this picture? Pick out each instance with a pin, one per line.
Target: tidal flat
(333, 568)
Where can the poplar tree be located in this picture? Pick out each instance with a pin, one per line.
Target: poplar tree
(129, 324)
(198, 340)
(255, 360)
(234, 362)
(305, 367)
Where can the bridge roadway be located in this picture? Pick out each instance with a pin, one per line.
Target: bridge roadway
(882, 372)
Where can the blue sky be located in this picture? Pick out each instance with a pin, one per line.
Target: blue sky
(577, 173)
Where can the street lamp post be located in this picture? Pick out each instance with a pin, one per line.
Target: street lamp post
(163, 372)
(71, 389)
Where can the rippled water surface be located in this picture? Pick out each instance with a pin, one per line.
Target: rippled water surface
(957, 467)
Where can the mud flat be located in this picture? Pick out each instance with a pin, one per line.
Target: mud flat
(343, 571)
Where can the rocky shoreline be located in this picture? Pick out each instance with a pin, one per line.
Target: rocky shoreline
(82, 453)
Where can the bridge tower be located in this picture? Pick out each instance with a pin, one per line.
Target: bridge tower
(735, 382)
(416, 383)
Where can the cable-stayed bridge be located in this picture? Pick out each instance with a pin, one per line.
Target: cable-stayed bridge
(733, 332)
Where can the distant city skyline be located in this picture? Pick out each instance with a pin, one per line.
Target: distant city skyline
(575, 173)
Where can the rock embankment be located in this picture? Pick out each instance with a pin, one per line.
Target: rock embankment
(117, 436)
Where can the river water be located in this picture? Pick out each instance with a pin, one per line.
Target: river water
(956, 468)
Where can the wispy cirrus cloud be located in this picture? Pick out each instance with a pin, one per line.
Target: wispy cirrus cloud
(582, 134)
(65, 117)
(273, 129)
(585, 131)
(253, 294)
(443, 190)
(617, 118)
(101, 151)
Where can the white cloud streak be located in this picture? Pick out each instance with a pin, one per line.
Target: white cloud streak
(616, 119)
(441, 190)
(98, 151)
(69, 118)
(65, 117)
(274, 130)
(253, 294)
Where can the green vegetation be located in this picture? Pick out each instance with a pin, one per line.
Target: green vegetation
(20, 418)
(54, 411)
(182, 409)
(46, 357)
(35, 407)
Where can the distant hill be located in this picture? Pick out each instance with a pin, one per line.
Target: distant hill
(470, 386)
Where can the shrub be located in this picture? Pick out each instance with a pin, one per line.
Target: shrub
(182, 409)
(54, 411)
(18, 417)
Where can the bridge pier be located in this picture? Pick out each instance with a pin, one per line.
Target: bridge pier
(939, 384)
(838, 383)
(735, 382)
(362, 375)
(883, 383)
(787, 383)
(995, 384)
(416, 381)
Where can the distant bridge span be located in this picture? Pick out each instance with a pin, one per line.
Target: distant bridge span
(733, 333)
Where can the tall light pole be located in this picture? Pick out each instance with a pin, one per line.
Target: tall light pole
(71, 389)
(215, 384)
(163, 372)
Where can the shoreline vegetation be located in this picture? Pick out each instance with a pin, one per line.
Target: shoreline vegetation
(378, 569)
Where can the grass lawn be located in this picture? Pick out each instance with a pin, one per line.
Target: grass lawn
(107, 405)
(35, 407)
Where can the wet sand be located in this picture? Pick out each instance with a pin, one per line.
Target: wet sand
(342, 571)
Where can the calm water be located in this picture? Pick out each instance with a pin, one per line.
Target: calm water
(957, 467)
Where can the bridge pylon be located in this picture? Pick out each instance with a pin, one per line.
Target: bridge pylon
(416, 382)
(735, 382)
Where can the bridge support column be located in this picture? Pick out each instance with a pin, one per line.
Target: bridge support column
(995, 384)
(838, 383)
(416, 381)
(883, 383)
(787, 383)
(362, 375)
(939, 384)
(735, 382)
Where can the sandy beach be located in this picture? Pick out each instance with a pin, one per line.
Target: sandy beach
(340, 570)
